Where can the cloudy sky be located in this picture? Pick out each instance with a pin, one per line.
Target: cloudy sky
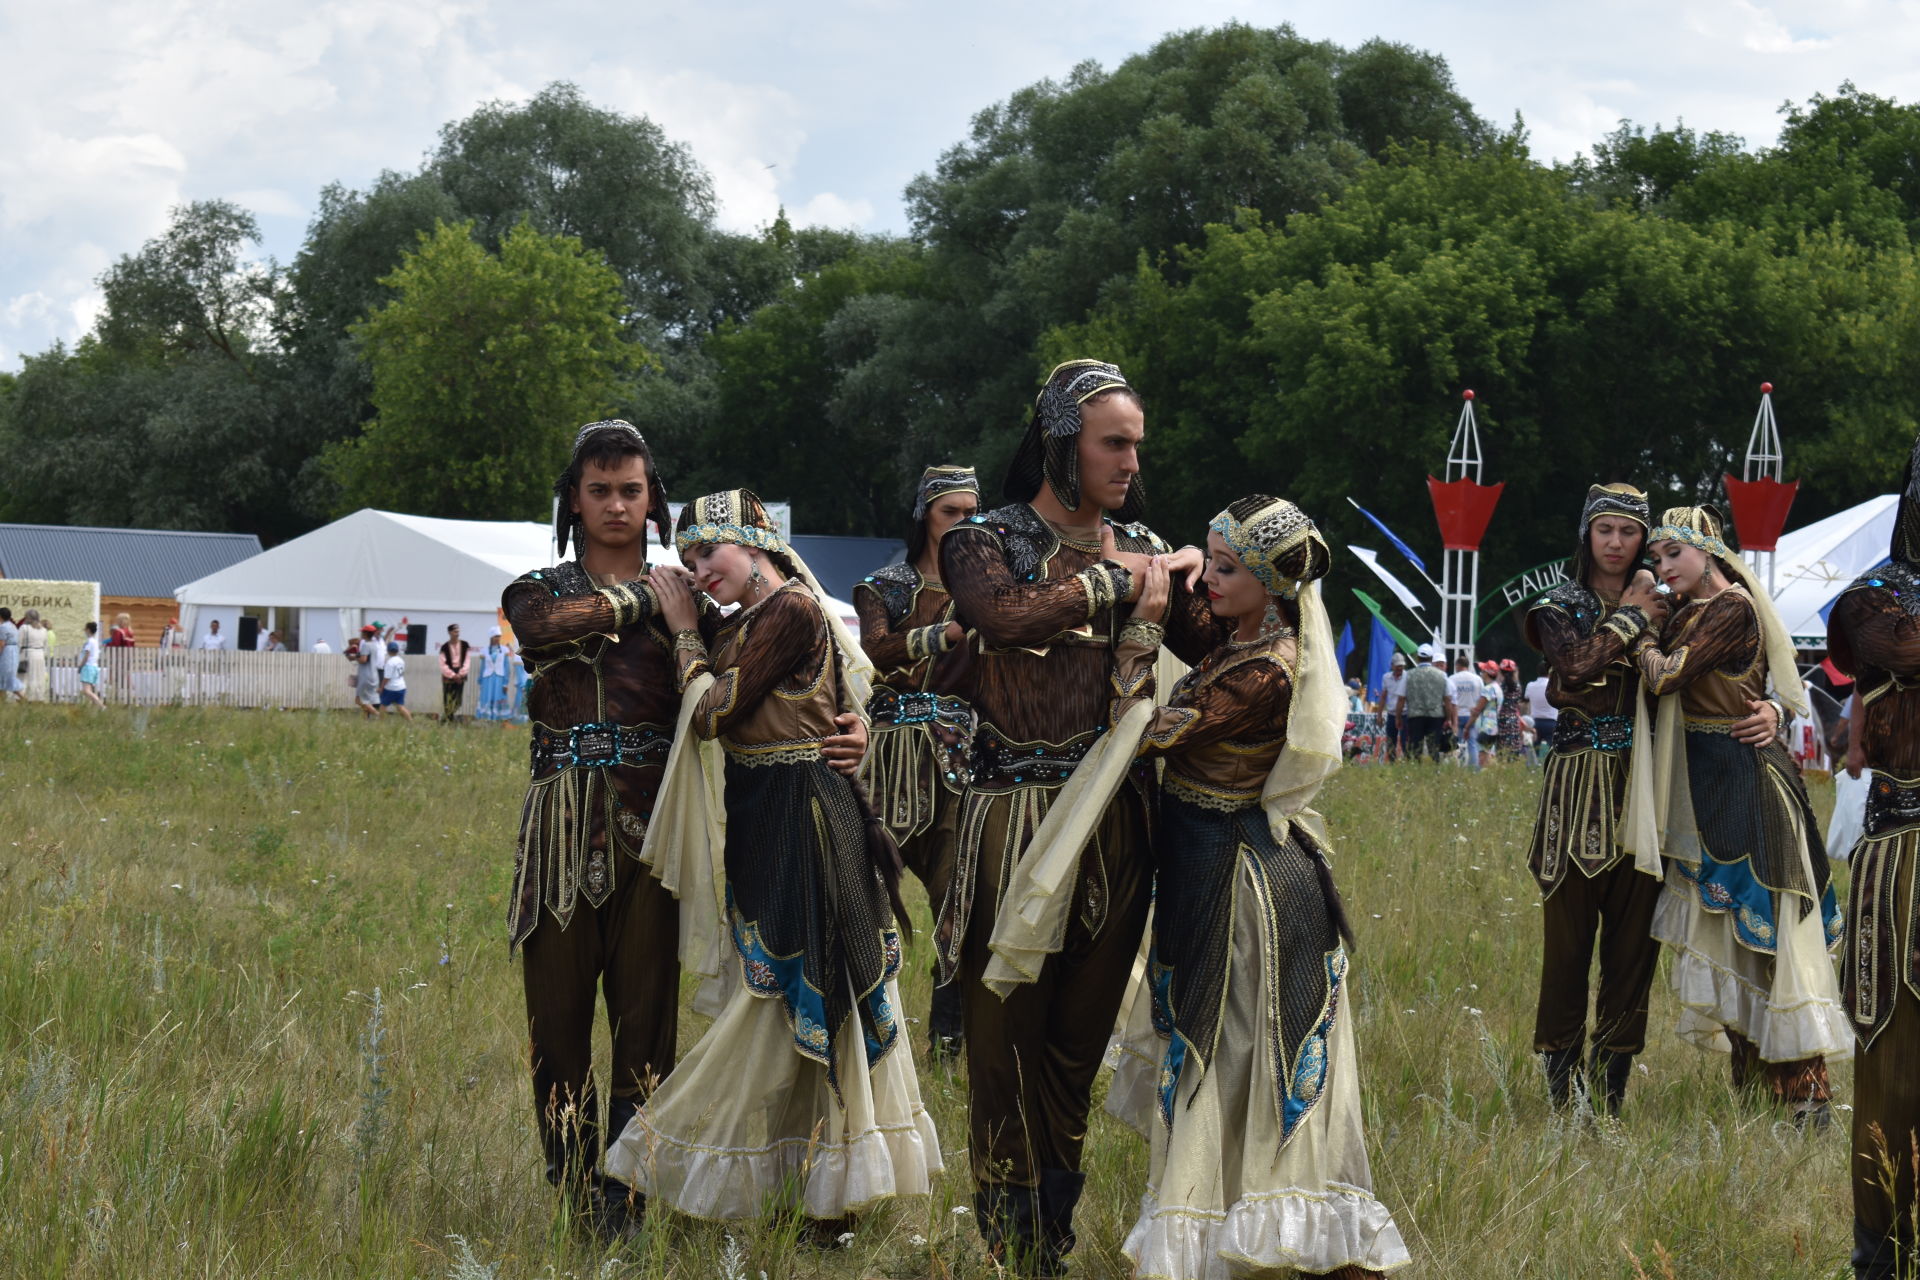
(114, 110)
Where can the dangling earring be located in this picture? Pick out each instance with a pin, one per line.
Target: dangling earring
(756, 580)
(1270, 622)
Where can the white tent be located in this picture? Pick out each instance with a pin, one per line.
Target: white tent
(1814, 564)
(383, 566)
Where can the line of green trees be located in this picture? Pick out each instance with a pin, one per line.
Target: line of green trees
(1301, 254)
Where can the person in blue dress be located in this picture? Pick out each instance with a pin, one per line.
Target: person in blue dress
(496, 681)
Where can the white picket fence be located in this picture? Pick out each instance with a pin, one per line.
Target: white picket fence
(227, 678)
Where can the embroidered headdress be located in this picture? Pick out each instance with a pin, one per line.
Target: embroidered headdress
(1616, 499)
(566, 521)
(737, 515)
(1050, 451)
(1268, 534)
(937, 482)
(1701, 527)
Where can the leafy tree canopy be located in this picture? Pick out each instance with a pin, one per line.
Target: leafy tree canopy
(483, 364)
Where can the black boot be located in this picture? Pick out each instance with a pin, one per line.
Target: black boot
(1878, 1257)
(1009, 1219)
(946, 1032)
(570, 1140)
(1563, 1069)
(619, 1208)
(1059, 1194)
(1610, 1071)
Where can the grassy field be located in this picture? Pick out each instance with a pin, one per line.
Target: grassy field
(257, 1018)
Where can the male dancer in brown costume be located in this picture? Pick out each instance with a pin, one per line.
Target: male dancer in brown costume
(918, 766)
(1039, 581)
(1873, 634)
(582, 909)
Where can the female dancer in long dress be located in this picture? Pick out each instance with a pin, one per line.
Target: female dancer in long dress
(802, 1094)
(1248, 1086)
(918, 760)
(1747, 906)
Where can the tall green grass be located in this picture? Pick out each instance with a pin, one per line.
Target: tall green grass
(257, 1018)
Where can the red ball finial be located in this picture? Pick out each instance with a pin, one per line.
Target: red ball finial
(1467, 394)
(1766, 388)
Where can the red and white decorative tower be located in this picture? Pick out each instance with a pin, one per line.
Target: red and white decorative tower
(1463, 507)
(1761, 499)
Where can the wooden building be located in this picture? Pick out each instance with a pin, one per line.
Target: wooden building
(138, 569)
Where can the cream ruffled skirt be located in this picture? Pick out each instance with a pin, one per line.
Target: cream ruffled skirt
(1224, 1198)
(1787, 1003)
(746, 1124)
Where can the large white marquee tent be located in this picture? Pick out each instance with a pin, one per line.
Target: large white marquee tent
(379, 566)
(1815, 563)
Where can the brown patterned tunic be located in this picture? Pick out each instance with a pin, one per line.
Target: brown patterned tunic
(603, 709)
(1046, 609)
(1595, 686)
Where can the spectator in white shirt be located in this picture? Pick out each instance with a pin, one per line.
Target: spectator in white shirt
(1393, 688)
(1466, 693)
(393, 682)
(1546, 716)
(213, 639)
(90, 665)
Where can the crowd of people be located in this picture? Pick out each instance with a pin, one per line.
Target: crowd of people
(1477, 715)
(377, 665)
(725, 783)
(376, 660)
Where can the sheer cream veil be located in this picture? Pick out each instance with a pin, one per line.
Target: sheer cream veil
(1315, 720)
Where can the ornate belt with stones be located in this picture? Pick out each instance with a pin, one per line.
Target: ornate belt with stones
(947, 720)
(599, 745)
(1576, 732)
(1000, 763)
(1893, 805)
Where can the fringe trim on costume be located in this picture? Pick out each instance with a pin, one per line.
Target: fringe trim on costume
(1314, 1232)
(728, 1184)
(556, 864)
(1882, 925)
(1577, 826)
(900, 774)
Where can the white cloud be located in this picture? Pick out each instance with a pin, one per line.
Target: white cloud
(743, 133)
(26, 307)
(829, 210)
(116, 110)
(1753, 26)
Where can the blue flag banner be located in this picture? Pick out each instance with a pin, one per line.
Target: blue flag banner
(1343, 650)
(1392, 537)
(1379, 658)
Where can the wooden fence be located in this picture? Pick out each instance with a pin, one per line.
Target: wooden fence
(228, 678)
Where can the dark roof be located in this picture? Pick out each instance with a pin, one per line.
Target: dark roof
(125, 562)
(841, 562)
